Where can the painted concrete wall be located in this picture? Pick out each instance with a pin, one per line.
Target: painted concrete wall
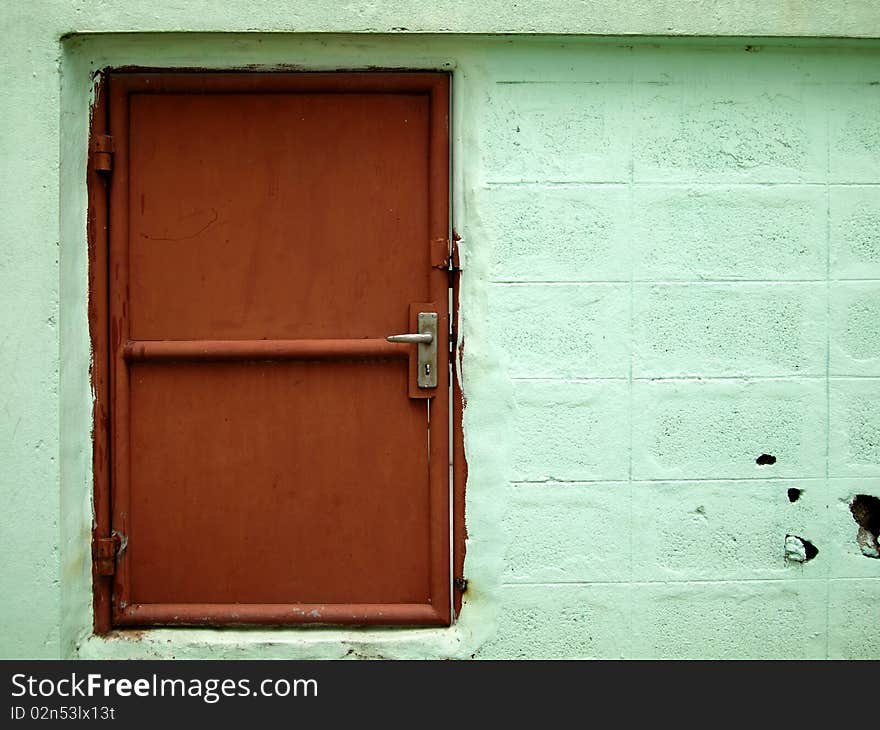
(671, 253)
(679, 278)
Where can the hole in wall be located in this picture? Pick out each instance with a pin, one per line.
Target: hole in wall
(865, 510)
(794, 494)
(765, 460)
(811, 550)
(799, 549)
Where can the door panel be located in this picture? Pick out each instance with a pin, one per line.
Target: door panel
(283, 214)
(267, 232)
(277, 492)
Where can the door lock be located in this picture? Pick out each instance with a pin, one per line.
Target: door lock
(426, 339)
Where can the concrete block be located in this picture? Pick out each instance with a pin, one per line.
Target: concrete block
(853, 132)
(730, 130)
(558, 233)
(561, 622)
(692, 233)
(567, 533)
(846, 558)
(568, 331)
(855, 232)
(853, 617)
(571, 431)
(855, 328)
(855, 427)
(728, 329)
(556, 132)
(730, 620)
(732, 530)
(704, 66)
(717, 429)
(582, 63)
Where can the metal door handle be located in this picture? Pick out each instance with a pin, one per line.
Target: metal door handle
(426, 339)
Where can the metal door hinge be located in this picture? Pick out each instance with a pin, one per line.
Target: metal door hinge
(445, 254)
(102, 153)
(454, 259)
(105, 550)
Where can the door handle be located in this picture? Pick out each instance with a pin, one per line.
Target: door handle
(412, 338)
(426, 339)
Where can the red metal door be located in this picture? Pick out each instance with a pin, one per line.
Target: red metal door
(273, 457)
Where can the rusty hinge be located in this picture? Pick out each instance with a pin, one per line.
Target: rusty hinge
(105, 550)
(102, 153)
(444, 254)
(454, 261)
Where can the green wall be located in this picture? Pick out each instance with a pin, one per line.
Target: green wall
(672, 253)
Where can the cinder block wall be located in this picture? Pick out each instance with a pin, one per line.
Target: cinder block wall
(683, 277)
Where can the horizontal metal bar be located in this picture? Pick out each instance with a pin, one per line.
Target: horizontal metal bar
(163, 350)
(200, 614)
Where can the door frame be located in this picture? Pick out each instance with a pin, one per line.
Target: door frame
(438, 84)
